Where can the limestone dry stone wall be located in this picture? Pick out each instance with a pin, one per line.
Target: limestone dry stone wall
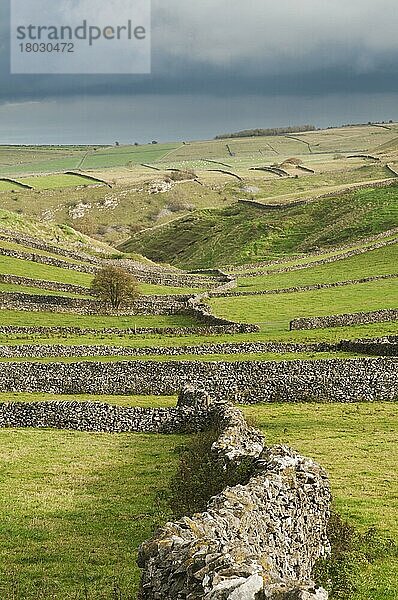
(255, 541)
(339, 380)
(387, 346)
(101, 417)
(54, 350)
(345, 320)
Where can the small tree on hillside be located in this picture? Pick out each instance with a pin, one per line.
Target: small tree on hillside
(115, 286)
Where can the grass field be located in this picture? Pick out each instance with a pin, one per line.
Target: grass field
(24, 268)
(47, 319)
(276, 311)
(357, 444)
(8, 287)
(40, 159)
(73, 509)
(308, 259)
(49, 182)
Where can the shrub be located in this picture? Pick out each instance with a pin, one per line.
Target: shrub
(201, 475)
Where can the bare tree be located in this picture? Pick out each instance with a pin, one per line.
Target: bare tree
(115, 286)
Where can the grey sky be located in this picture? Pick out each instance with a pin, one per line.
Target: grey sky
(252, 63)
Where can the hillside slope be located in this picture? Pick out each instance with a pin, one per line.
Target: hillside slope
(244, 233)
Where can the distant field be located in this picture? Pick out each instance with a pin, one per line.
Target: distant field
(40, 159)
(73, 509)
(357, 445)
(47, 182)
(126, 156)
(276, 311)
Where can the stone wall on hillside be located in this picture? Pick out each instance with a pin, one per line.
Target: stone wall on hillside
(145, 273)
(322, 261)
(345, 320)
(340, 380)
(150, 305)
(303, 288)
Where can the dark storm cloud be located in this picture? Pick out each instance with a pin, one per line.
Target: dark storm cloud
(260, 47)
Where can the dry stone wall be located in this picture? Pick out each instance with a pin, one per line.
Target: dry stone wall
(345, 320)
(255, 541)
(58, 350)
(97, 416)
(339, 380)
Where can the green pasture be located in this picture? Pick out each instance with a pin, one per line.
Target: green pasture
(25, 268)
(308, 259)
(128, 401)
(74, 508)
(48, 182)
(47, 319)
(9, 287)
(383, 261)
(274, 312)
(357, 445)
(7, 186)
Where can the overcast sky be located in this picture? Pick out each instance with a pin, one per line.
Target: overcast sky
(219, 65)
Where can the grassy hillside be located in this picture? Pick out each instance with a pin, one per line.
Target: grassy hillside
(358, 447)
(242, 233)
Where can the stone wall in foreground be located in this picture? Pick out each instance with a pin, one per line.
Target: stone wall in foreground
(339, 380)
(255, 541)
